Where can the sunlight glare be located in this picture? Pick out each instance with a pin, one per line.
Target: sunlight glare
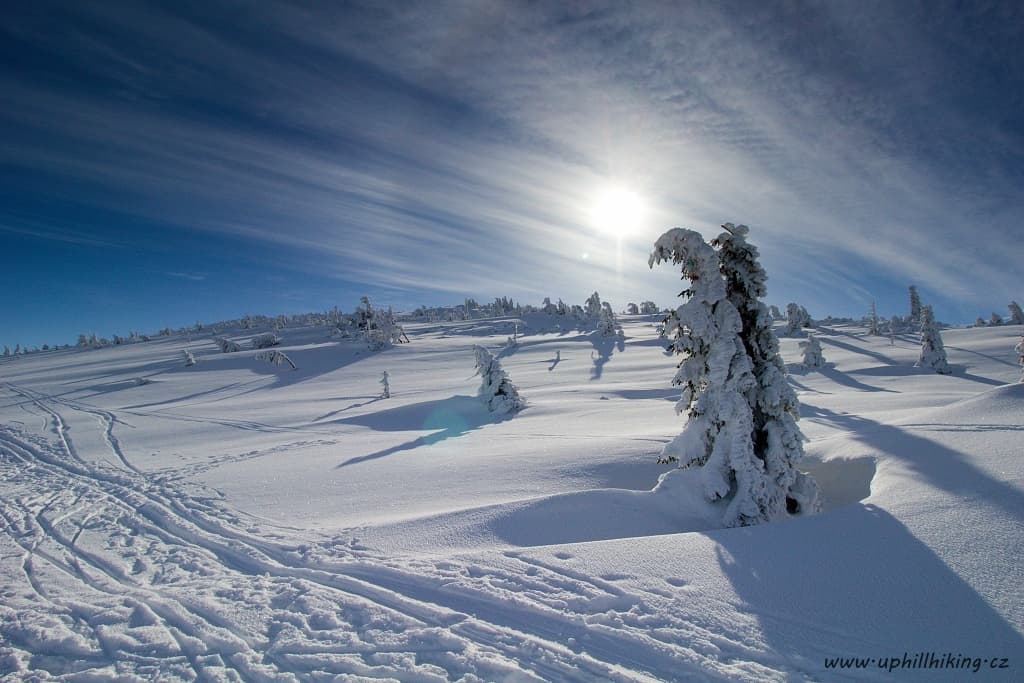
(617, 211)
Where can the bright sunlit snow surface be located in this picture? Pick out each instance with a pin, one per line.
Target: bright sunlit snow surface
(235, 520)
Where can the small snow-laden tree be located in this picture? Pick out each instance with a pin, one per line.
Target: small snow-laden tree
(933, 352)
(648, 308)
(276, 357)
(592, 306)
(873, 328)
(7, 351)
(383, 330)
(190, 360)
(385, 383)
(82, 340)
(980, 322)
(496, 389)
(632, 309)
(1019, 348)
(811, 355)
(797, 318)
(226, 345)
(1016, 315)
(606, 321)
(719, 389)
(915, 305)
(265, 340)
(775, 313)
(995, 319)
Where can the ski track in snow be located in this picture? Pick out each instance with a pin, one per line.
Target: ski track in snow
(130, 575)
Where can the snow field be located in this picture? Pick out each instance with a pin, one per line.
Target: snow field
(238, 521)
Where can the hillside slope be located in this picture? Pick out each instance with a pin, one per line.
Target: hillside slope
(234, 520)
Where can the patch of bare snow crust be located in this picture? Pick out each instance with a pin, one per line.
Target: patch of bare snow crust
(237, 520)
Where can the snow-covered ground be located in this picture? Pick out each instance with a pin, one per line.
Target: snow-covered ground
(235, 520)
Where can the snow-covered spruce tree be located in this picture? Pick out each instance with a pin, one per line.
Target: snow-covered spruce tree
(933, 353)
(632, 309)
(385, 383)
(980, 322)
(915, 305)
(1016, 315)
(648, 308)
(226, 345)
(606, 321)
(496, 389)
(379, 328)
(995, 319)
(811, 355)
(741, 428)
(265, 340)
(776, 436)
(592, 306)
(797, 318)
(276, 357)
(775, 313)
(873, 328)
(1019, 348)
(190, 360)
(7, 351)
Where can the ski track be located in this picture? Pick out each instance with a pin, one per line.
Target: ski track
(138, 578)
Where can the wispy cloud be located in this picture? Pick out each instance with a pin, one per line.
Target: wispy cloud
(194, 277)
(456, 151)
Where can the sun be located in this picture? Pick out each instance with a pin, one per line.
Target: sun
(617, 211)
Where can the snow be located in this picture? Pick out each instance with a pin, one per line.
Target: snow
(235, 520)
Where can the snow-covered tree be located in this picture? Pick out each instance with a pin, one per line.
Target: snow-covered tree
(379, 327)
(811, 355)
(741, 428)
(775, 313)
(496, 389)
(1016, 315)
(873, 328)
(226, 345)
(995, 319)
(265, 340)
(933, 353)
(1019, 348)
(632, 309)
(7, 351)
(797, 318)
(648, 308)
(592, 306)
(979, 322)
(190, 360)
(606, 321)
(385, 383)
(276, 357)
(915, 305)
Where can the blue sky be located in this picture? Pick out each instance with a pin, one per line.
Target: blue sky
(163, 163)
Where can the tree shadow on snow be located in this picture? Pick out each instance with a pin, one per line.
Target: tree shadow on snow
(604, 347)
(937, 464)
(444, 419)
(906, 370)
(858, 349)
(877, 592)
(829, 371)
(983, 355)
